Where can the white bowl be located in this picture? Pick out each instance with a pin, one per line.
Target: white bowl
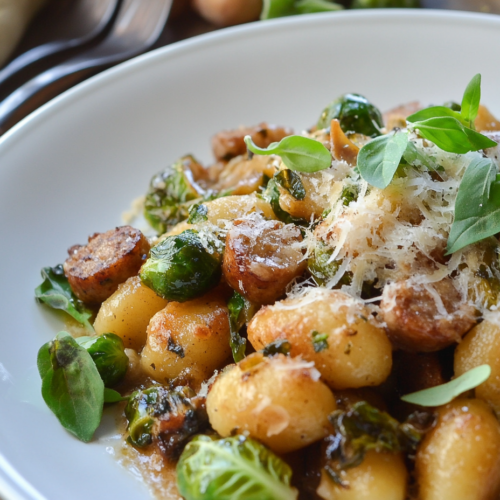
(74, 166)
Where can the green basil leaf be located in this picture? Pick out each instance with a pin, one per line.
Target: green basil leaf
(197, 213)
(297, 153)
(450, 135)
(234, 468)
(236, 306)
(112, 396)
(471, 100)
(477, 206)
(43, 360)
(277, 8)
(443, 394)
(292, 182)
(312, 6)
(379, 159)
(56, 292)
(72, 387)
(435, 112)
(415, 158)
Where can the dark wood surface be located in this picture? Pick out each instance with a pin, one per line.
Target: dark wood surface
(183, 23)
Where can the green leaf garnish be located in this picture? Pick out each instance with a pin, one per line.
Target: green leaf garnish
(291, 181)
(471, 100)
(379, 159)
(450, 130)
(56, 292)
(297, 153)
(435, 112)
(235, 468)
(71, 385)
(477, 206)
(448, 134)
(443, 394)
(320, 341)
(197, 213)
(112, 396)
(236, 306)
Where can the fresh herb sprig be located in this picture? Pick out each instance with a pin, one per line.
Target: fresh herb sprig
(56, 292)
(450, 130)
(72, 381)
(444, 393)
(477, 206)
(298, 153)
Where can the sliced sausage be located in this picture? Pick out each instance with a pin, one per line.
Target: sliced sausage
(262, 257)
(95, 270)
(425, 318)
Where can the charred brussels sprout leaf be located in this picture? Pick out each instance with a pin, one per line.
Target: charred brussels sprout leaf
(56, 292)
(169, 194)
(169, 416)
(363, 428)
(272, 196)
(181, 268)
(323, 269)
(71, 385)
(355, 114)
(281, 346)
(235, 468)
(291, 181)
(320, 341)
(108, 354)
(197, 213)
(236, 307)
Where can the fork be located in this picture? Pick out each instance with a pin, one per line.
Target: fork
(73, 24)
(138, 25)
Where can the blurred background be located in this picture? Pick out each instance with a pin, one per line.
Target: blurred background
(47, 46)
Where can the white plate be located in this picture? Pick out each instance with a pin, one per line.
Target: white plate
(74, 166)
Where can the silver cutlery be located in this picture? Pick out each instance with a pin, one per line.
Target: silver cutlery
(73, 24)
(138, 25)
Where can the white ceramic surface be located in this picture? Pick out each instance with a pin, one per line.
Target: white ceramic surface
(72, 168)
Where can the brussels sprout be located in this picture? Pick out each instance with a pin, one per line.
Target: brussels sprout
(108, 354)
(169, 192)
(381, 4)
(355, 114)
(181, 268)
(169, 416)
(234, 468)
(363, 428)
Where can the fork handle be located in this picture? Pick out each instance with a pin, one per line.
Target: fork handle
(41, 89)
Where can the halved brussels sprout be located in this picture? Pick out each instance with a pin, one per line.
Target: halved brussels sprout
(181, 268)
(171, 416)
(169, 192)
(355, 114)
(107, 352)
